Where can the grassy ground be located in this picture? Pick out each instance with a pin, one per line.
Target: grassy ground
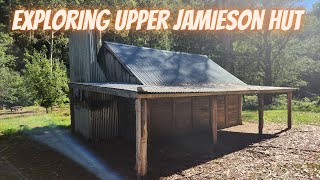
(32, 117)
(305, 111)
(280, 116)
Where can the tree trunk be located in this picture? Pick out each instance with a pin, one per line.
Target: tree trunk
(227, 40)
(51, 50)
(229, 58)
(99, 39)
(9, 15)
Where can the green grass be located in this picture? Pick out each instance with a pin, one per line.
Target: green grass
(11, 125)
(280, 116)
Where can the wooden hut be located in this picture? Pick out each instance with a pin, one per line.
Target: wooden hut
(131, 91)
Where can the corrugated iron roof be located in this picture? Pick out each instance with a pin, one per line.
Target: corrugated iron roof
(160, 67)
(181, 89)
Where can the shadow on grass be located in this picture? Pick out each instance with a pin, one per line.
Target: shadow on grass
(116, 158)
(10, 134)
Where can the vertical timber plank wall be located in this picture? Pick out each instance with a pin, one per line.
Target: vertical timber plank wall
(161, 115)
(200, 112)
(113, 70)
(182, 111)
(171, 115)
(232, 110)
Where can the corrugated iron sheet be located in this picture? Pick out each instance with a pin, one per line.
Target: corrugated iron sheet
(83, 58)
(96, 114)
(159, 67)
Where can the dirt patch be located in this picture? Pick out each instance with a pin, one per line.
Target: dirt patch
(28, 159)
(240, 154)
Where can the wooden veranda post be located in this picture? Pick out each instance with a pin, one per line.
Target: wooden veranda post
(141, 137)
(214, 119)
(261, 108)
(289, 96)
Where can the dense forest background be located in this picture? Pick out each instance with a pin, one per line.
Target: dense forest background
(34, 64)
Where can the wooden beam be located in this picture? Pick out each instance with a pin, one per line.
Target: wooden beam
(261, 108)
(289, 96)
(141, 136)
(214, 119)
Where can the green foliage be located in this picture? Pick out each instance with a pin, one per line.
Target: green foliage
(48, 84)
(280, 103)
(6, 41)
(12, 89)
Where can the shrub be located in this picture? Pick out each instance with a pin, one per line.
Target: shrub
(49, 85)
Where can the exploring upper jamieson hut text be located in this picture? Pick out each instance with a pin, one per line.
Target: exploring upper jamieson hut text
(210, 19)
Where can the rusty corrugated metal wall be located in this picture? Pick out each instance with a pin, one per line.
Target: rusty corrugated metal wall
(104, 116)
(96, 114)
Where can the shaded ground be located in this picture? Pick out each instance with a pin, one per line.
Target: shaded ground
(240, 154)
(293, 154)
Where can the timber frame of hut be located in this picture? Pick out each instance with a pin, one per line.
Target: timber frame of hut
(133, 91)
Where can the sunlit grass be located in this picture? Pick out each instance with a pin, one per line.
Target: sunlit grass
(280, 116)
(59, 117)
